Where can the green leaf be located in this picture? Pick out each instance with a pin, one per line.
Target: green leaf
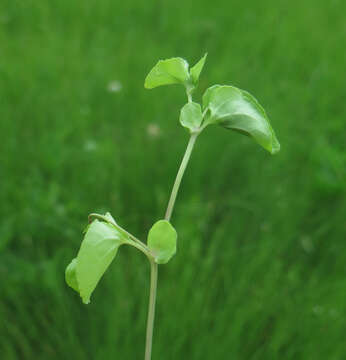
(162, 241)
(166, 72)
(196, 69)
(97, 251)
(191, 116)
(237, 110)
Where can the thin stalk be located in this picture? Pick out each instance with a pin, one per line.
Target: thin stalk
(153, 265)
(151, 309)
(180, 175)
(132, 237)
(142, 249)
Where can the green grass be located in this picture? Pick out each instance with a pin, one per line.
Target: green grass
(270, 230)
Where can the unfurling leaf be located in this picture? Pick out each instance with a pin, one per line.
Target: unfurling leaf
(162, 241)
(98, 249)
(191, 116)
(237, 110)
(196, 69)
(166, 72)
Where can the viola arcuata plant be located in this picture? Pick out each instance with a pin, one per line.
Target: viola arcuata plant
(222, 105)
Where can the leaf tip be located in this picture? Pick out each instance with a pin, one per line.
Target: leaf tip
(86, 301)
(275, 147)
(197, 68)
(146, 84)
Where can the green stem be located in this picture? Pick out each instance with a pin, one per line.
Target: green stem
(180, 174)
(151, 310)
(141, 247)
(153, 265)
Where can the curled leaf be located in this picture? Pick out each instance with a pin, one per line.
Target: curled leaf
(97, 251)
(238, 110)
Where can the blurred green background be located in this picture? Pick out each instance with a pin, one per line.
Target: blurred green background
(260, 271)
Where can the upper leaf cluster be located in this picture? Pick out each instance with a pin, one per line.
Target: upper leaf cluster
(223, 105)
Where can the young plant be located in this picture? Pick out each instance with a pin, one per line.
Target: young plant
(223, 105)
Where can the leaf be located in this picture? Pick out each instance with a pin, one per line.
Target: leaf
(237, 110)
(191, 116)
(196, 69)
(166, 72)
(97, 251)
(162, 241)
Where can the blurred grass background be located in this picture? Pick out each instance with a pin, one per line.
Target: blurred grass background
(260, 270)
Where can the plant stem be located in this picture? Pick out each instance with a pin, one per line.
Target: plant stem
(141, 247)
(151, 310)
(180, 174)
(153, 265)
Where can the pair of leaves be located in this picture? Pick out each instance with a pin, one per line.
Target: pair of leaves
(174, 71)
(233, 109)
(100, 246)
(228, 106)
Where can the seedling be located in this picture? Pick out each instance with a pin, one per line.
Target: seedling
(222, 105)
